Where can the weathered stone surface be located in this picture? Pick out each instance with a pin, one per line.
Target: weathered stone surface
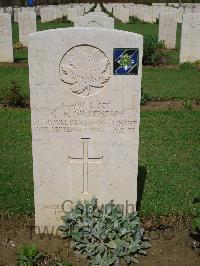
(190, 38)
(85, 118)
(167, 29)
(94, 21)
(6, 45)
(27, 25)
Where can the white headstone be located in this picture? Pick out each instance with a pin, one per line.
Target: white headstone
(6, 45)
(94, 21)
(180, 12)
(85, 87)
(97, 14)
(167, 29)
(75, 12)
(27, 25)
(190, 38)
(16, 10)
(98, 8)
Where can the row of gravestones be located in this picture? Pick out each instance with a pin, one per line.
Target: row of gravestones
(120, 11)
(54, 12)
(147, 13)
(190, 49)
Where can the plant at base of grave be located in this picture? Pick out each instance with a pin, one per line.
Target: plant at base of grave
(29, 256)
(196, 226)
(18, 46)
(133, 20)
(197, 64)
(14, 97)
(64, 19)
(188, 104)
(104, 235)
(153, 54)
(145, 98)
(64, 263)
(187, 65)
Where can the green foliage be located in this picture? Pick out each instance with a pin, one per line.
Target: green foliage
(196, 221)
(145, 98)
(196, 224)
(195, 234)
(190, 65)
(18, 46)
(153, 54)
(104, 235)
(133, 20)
(29, 256)
(64, 19)
(14, 98)
(197, 63)
(188, 104)
(64, 263)
(187, 65)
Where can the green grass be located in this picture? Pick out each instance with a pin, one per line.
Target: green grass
(169, 150)
(159, 83)
(16, 182)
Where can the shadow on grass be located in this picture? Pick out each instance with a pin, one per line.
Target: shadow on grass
(142, 173)
(21, 60)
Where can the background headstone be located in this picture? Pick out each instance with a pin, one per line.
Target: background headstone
(97, 14)
(94, 21)
(6, 45)
(85, 88)
(27, 25)
(167, 29)
(190, 38)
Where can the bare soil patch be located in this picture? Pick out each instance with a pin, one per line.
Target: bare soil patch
(167, 105)
(149, 106)
(13, 64)
(171, 244)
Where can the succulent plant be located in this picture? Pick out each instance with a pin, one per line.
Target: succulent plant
(104, 235)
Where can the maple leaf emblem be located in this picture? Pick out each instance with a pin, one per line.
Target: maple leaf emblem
(85, 69)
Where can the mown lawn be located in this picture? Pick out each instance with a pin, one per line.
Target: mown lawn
(168, 83)
(158, 83)
(169, 153)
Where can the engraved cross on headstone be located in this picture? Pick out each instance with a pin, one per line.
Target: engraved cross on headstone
(85, 160)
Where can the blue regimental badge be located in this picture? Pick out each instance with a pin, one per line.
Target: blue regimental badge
(125, 61)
